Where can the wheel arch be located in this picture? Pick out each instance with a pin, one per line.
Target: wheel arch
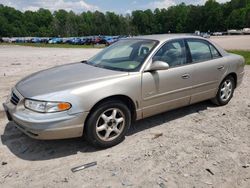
(123, 98)
(234, 75)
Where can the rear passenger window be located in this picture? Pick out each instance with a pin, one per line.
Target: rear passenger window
(200, 51)
(214, 52)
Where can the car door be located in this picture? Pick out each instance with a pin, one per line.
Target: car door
(167, 89)
(208, 69)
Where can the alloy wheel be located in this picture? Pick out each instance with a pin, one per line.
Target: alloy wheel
(110, 124)
(226, 90)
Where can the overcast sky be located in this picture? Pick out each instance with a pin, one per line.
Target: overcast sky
(118, 6)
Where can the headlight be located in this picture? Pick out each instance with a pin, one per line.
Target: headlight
(43, 106)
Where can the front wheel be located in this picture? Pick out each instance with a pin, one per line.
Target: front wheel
(225, 91)
(108, 124)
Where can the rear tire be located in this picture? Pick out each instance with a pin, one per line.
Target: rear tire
(225, 91)
(108, 124)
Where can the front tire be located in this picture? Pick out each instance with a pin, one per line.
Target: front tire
(225, 91)
(108, 124)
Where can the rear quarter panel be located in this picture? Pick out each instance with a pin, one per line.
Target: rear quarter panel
(236, 65)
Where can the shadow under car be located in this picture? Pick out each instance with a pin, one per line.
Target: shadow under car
(30, 149)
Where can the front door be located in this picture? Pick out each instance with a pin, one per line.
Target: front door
(167, 89)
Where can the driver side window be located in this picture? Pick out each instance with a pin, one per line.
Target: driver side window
(173, 53)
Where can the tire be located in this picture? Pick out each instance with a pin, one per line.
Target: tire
(108, 124)
(226, 86)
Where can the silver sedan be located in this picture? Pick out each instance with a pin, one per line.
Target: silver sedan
(132, 79)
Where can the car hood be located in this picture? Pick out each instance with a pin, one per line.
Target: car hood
(65, 77)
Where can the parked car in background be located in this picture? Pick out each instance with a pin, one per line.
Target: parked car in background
(36, 40)
(55, 41)
(132, 79)
(246, 31)
(6, 39)
(107, 40)
(76, 41)
(13, 40)
(66, 40)
(96, 39)
(45, 40)
(217, 33)
(20, 40)
(89, 41)
(234, 32)
(202, 34)
(205, 35)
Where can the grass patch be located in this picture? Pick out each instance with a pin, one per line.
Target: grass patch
(245, 54)
(42, 45)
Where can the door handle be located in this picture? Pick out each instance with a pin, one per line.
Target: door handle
(185, 76)
(220, 67)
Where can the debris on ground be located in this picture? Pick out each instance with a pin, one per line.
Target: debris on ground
(83, 166)
(164, 179)
(208, 183)
(15, 63)
(157, 135)
(8, 175)
(126, 183)
(207, 169)
(162, 185)
(246, 166)
(65, 180)
(4, 163)
(185, 175)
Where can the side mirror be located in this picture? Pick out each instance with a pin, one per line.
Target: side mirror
(159, 65)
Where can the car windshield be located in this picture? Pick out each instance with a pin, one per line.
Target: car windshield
(124, 55)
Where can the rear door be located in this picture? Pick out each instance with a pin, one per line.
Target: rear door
(208, 69)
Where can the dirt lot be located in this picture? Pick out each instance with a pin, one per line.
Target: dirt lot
(236, 42)
(201, 145)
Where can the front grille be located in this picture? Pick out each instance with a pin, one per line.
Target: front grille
(14, 99)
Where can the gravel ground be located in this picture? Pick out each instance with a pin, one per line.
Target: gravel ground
(197, 146)
(236, 42)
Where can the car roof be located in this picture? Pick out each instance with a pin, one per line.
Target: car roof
(164, 37)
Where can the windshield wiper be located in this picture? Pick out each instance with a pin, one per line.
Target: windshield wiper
(85, 61)
(91, 64)
(115, 68)
(88, 63)
(103, 66)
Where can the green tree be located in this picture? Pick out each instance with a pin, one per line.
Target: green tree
(237, 19)
(59, 23)
(213, 16)
(194, 19)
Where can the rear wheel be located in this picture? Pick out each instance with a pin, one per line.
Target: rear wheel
(108, 124)
(225, 92)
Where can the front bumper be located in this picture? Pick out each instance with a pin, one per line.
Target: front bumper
(45, 126)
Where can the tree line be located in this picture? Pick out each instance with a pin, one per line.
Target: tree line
(182, 18)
